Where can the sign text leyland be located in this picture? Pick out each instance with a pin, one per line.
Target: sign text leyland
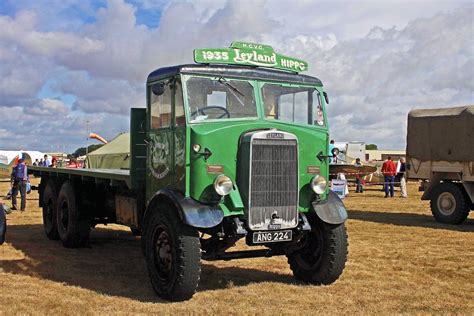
(250, 54)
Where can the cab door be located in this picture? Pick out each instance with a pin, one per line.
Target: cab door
(160, 139)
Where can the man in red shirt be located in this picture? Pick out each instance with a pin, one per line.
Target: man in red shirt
(389, 171)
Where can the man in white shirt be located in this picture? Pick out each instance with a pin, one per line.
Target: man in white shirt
(401, 176)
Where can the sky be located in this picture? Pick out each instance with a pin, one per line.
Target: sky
(72, 66)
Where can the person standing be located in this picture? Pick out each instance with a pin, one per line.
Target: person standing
(401, 167)
(46, 162)
(359, 186)
(36, 163)
(389, 171)
(20, 179)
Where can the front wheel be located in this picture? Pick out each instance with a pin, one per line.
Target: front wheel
(173, 255)
(323, 255)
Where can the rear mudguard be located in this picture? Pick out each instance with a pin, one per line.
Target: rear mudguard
(3, 225)
(331, 211)
(190, 211)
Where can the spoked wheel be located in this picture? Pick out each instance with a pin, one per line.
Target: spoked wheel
(323, 254)
(173, 255)
(163, 255)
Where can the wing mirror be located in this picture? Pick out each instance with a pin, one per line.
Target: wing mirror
(326, 97)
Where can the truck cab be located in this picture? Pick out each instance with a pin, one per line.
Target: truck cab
(232, 147)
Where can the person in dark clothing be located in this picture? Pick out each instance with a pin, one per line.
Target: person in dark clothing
(19, 181)
(401, 168)
(359, 185)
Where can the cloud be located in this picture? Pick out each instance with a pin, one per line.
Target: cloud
(48, 107)
(377, 60)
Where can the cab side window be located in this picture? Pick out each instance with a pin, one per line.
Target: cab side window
(160, 105)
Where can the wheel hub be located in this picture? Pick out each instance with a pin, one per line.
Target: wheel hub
(446, 203)
(311, 254)
(64, 215)
(163, 255)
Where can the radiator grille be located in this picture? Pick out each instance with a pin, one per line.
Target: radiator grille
(273, 184)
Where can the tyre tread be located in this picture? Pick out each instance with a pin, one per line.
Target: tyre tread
(335, 253)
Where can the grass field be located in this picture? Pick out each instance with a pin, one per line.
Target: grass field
(400, 261)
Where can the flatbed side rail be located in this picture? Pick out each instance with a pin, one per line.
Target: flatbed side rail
(96, 174)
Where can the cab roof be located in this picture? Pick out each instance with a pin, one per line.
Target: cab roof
(244, 72)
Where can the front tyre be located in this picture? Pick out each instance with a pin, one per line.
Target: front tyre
(323, 255)
(173, 255)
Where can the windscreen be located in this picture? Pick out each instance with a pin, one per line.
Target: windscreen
(292, 104)
(220, 99)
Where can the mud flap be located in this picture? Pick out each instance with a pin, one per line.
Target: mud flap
(3, 225)
(331, 211)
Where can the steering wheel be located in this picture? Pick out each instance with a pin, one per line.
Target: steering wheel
(202, 110)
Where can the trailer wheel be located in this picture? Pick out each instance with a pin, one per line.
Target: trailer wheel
(3, 225)
(50, 204)
(73, 230)
(323, 256)
(449, 204)
(173, 255)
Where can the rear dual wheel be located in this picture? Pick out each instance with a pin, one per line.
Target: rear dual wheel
(50, 204)
(73, 227)
(3, 225)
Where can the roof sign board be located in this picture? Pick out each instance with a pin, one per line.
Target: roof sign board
(249, 54)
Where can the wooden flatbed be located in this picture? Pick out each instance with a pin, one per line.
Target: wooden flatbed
(112, 175)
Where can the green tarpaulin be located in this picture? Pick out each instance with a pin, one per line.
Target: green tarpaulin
(114, 155)
(441, 134)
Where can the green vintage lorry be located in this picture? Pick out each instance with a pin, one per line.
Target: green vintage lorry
(232, 147)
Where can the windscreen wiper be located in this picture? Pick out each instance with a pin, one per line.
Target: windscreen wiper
(232, 90)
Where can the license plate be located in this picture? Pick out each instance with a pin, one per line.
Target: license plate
(264, 237)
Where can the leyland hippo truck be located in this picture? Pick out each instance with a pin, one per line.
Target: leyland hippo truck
(232, 147)
(440, 152)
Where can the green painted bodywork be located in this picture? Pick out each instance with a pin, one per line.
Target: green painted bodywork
(171, 162)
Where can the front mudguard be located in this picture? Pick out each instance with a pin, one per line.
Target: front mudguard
(190, 211)
(331, 211)
(3, 225)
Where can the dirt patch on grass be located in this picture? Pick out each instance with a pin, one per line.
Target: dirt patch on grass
(400, 261)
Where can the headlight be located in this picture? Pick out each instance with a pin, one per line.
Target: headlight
(319, 184)
(223, 185)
